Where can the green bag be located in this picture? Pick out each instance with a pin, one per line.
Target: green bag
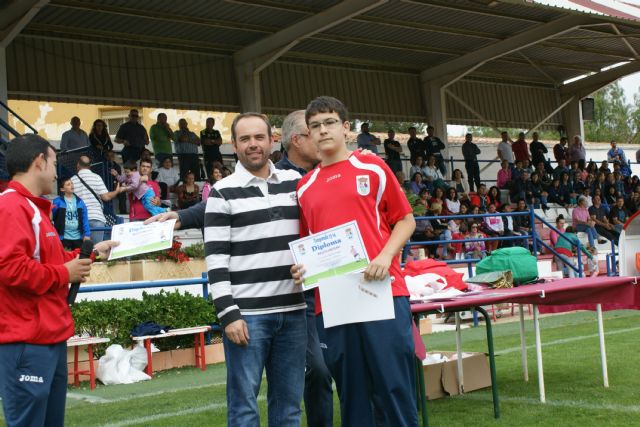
(519, 261)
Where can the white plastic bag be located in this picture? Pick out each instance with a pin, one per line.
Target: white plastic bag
(425, 285)
(120, 366)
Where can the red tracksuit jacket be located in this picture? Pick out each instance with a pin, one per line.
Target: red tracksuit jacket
(33, 280)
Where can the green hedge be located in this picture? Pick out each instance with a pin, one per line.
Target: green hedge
(115, 318)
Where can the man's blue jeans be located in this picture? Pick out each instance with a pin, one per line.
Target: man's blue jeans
(277, 343)
(97, 236)
(592, 234)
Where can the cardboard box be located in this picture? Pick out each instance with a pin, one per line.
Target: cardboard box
(441, 379)
(425, 326)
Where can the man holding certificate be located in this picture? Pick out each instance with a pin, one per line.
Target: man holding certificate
(372, 362)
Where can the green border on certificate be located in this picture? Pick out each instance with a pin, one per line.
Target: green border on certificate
(137, 238)
(334, 252)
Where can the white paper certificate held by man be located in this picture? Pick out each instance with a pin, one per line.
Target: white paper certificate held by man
(137, 238)
(334, 252)
(352, 299)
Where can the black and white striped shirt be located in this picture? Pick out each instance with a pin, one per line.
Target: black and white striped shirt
(249, 222)
(93, 180)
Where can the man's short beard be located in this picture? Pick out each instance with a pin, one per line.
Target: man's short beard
(254, 167)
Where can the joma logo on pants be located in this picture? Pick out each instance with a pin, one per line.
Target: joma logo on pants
(30, 379)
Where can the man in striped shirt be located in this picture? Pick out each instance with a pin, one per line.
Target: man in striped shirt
(90, 188)
(251, 216)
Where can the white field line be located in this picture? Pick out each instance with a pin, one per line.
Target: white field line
(92, 399)
(560, 403)
(87, 398)
(156, 417)
(567, 340)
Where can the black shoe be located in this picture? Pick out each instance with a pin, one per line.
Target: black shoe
(602, 241)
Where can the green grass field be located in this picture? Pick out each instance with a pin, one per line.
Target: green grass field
(575, 395)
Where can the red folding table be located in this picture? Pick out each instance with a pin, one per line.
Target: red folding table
(599, 293)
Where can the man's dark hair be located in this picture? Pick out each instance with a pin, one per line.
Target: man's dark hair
(326, 104)
(23, 150)
(247, 115)
(430, 127)
(147, 160)
(411, 127)
(130, 165)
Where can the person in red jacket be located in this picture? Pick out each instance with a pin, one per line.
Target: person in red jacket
(35, 272)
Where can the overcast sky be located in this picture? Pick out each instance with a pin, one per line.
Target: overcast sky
(630, 85)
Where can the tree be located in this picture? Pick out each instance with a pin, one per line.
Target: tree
(612, 116)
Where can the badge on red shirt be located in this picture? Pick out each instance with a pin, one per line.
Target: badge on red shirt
(363, 185)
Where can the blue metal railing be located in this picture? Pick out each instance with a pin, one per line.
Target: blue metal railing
(17, 116)
(561, 257)
(533, 235)
(127, 286)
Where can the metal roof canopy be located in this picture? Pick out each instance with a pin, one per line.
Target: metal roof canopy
(473, 62)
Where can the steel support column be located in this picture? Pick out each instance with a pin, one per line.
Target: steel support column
(435, 103)
(573, 122)
(4, 115)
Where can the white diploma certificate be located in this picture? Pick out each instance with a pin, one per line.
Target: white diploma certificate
(333, 252)
(136, 238)
(351, 299)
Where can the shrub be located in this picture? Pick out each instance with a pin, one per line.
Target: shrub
(195, 251)
(115, 318)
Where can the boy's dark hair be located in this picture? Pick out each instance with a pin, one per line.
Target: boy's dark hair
(130, 165)
(63, 181)
(23, 150)
(326, 104)
(246, 115)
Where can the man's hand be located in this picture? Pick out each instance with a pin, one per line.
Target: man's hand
(78, 269)
(104, 247)
(237, 332)
(378, 269)
(297, 272)
(164, 217)
(144, 178)
(155, 201)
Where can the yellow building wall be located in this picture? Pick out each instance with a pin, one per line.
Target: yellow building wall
(51, 119)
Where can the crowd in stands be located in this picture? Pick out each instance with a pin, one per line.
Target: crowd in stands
(602, 196)
(94, 177)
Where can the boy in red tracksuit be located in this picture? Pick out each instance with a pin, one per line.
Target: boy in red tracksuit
(35, 271)
(372, 363)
